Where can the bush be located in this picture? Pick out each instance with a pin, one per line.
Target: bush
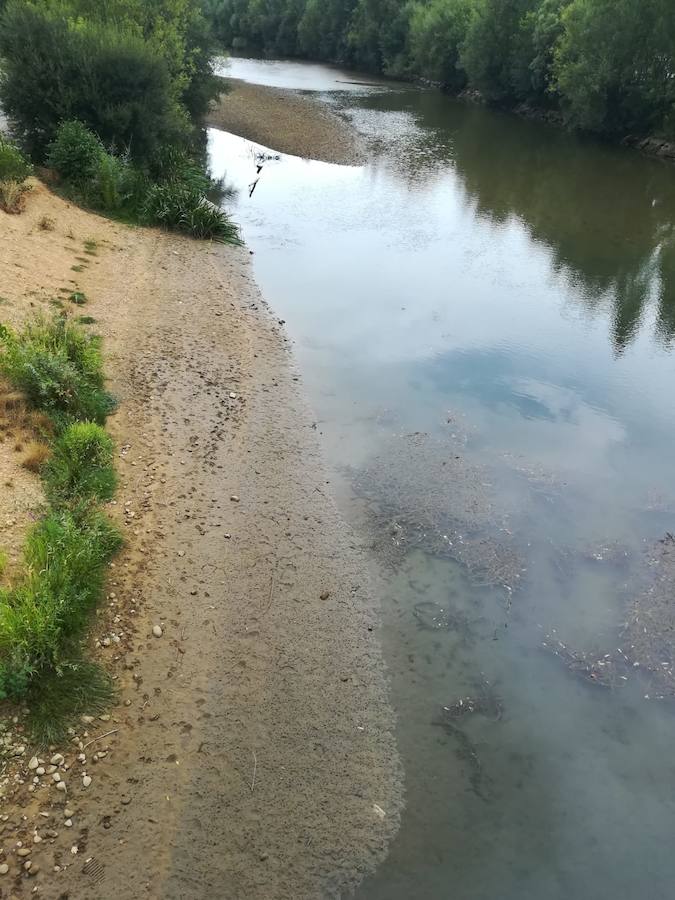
(13, 196)
(81, 465)
(180, 208)
(57, 68)
(59, 368)
(75, 153)
(13, 164)
(42, 619)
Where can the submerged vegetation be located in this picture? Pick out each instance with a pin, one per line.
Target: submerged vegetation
(57, 371)
(101, 93)
(606, 66)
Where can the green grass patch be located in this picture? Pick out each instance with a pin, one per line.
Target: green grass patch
(57, 699)
(86, 320)
(59, 368)
(42, 619)
(77, 268)
(81, 465)
(78, 298)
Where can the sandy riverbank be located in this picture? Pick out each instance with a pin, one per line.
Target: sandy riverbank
(286, 121)
(252, 753)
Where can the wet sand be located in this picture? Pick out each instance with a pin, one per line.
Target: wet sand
(252, 753)
(286, 121)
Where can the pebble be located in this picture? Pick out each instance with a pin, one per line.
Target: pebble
(57, 759)
(87, 720)
(56, 777)
(4, 868)
(233, 396)
(61, 786)
(68, 813)
(234, 498)
(68, 823)
(86, 780)
(23, 851)
(33, 764)
(157, 631)
(40, 770)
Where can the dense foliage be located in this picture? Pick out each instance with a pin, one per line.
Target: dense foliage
(607, 66)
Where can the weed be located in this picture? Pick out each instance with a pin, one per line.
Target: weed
(36, 455)
(57, 699)
(58, 368)
(90, 246)
(46, 223)
(86, 320)
(4, 301)
(81, 466)
(13, 196)
(79, 268)
(78, 297)
(56, 302)
(3, 562)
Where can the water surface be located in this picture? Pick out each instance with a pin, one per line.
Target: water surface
(484, 316)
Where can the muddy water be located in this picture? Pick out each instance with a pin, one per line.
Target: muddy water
(484, 318)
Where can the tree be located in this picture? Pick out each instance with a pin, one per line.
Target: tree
(615, 65)
(437, 32)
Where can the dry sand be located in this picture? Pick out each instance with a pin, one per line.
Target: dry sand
(252, 756)
(285, 121)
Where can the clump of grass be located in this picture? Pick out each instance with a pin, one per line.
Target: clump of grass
(81, 465)
(86, 320)
(91, 247)
(57, 699)
(58, 368)
(78, 298)
(35, 456)
(13, 196)
(43, 618)
(79, 268)
(46, 223)
(180, 208)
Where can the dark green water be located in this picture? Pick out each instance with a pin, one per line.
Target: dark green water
(508, 291)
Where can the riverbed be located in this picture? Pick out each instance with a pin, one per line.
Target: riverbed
(483, 314)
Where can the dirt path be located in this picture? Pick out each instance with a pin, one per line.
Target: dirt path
(286, 121)
(253, 754)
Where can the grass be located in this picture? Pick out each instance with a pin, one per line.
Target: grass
(81, 465)
(46, 223)
(57, 386)
(77, 268)
(35, 456)
(59, 368)
(86, 320)
(57, 699)
(78, 297)
(13, 196)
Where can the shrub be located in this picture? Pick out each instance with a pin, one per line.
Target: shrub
(13, 196)
(59, 368)
(57, 68)
(13, 164)
(42, 619)
(180, 208)
(75, 153)
(81, 465)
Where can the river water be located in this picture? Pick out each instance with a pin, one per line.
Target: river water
(484, 317)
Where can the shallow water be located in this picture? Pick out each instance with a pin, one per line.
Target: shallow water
(508, 291)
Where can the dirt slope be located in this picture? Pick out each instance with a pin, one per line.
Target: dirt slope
(252, 753)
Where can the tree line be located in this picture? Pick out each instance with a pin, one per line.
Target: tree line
(606, 66)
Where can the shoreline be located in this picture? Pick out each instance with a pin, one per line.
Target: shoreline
(253, 744)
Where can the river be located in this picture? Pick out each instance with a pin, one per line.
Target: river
(484, 317)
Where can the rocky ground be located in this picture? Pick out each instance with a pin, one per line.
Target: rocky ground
(251, 754)
(285, 121)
